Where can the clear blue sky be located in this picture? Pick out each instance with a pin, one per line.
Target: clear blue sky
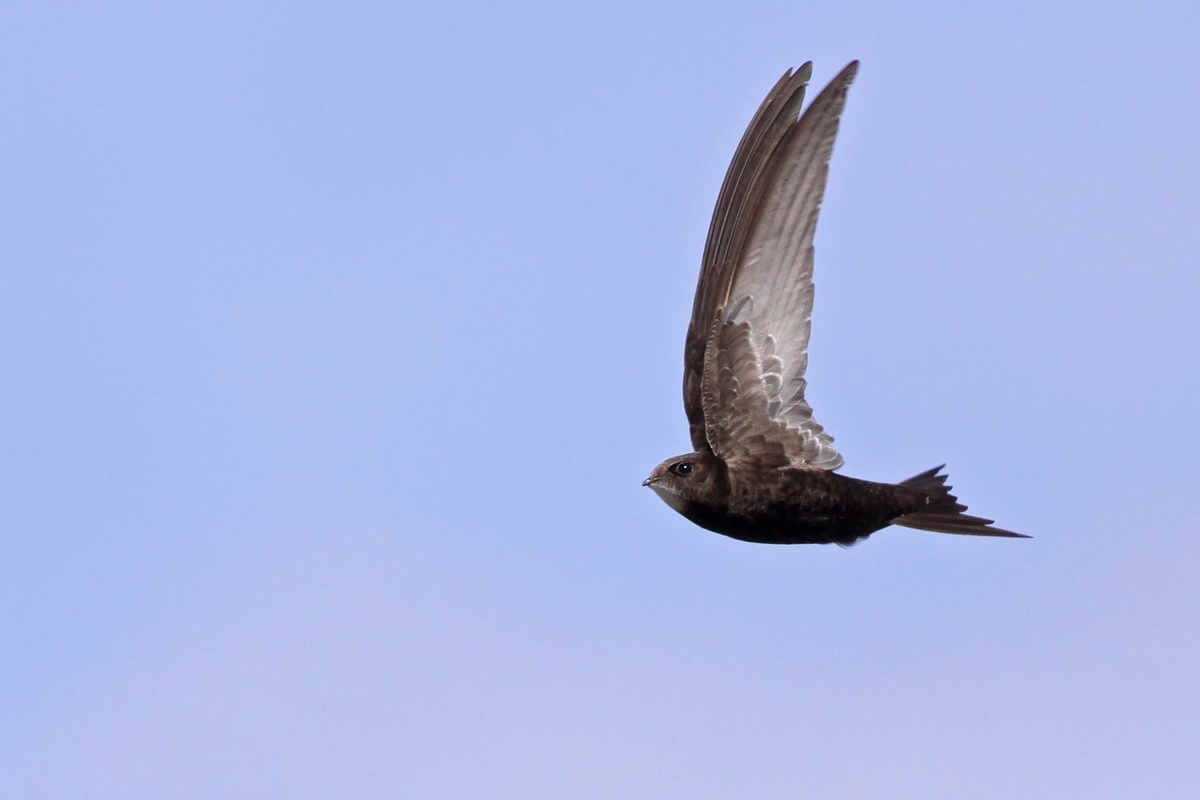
(336, 340)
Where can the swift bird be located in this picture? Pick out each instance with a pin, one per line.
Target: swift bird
(763, 468)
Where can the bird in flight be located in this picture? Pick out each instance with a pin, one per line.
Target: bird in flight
(763, 469)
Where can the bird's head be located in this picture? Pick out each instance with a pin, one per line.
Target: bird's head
(685, 479)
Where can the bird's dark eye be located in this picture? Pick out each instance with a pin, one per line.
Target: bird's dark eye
(683, 468)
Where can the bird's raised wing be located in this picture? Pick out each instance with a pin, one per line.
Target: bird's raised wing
(732, 216)
(747, 346)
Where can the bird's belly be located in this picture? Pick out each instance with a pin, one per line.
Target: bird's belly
(802, 508)
(790, 528)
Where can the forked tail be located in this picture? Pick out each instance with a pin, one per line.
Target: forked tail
(944, 513)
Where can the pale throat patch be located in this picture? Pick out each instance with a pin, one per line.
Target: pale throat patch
(669, 497)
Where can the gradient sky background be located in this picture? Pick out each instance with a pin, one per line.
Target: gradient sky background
(338, 337)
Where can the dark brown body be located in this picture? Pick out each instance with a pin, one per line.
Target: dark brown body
(795, 505)
(803, 506)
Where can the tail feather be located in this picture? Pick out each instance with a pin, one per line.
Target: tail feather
(944, 514)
